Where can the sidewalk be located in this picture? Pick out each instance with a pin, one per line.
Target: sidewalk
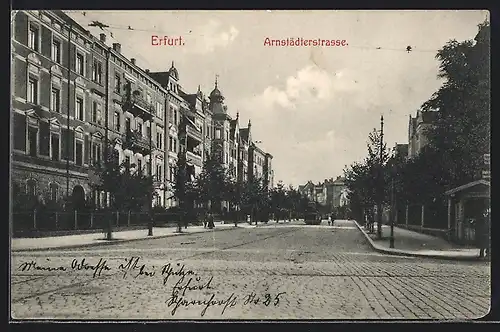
(410, 243)
(93, 239)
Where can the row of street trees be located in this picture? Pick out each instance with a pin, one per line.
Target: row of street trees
(214, 185)
(457, 140)
(131, 189)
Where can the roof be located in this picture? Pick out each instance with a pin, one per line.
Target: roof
(215, 93)
(244, 134)
(467, 186)
(232, 126)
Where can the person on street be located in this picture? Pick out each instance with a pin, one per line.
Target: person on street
(483, 235)
(205, 220)
(211, 221)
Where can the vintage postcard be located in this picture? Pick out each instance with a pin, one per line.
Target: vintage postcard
(250, 165)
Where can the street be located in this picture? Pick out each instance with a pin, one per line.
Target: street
(278, 271)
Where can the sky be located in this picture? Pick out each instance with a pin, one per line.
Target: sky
(312, 108)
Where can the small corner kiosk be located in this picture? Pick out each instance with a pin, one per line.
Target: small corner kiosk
(466, 205)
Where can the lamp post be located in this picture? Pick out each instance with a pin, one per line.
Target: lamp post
(70, 31)
(391, 239)
(150, 223)
(380, 178)
(109, 234)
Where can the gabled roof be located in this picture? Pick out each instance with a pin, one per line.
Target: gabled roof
(244, 134)
(467, 186)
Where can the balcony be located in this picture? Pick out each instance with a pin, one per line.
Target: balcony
(194, 158)
(136, 142)
(134, 103)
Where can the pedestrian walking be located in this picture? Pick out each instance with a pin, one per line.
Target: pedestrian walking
(329, 220)
(211, 221)
(483, 234)
(205, 220)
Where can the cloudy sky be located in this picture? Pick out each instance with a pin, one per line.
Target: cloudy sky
(312, 108)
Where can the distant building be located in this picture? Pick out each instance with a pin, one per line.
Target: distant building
(417, 137)
(331, 193)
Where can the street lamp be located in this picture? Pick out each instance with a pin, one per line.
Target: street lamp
(150, 223)
(381, 184)
(391, 239)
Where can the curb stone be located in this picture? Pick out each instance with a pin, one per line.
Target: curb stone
(397, 252)
(117, 241)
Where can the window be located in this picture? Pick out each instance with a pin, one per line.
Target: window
(148, 132)
(139, 165)
(171, 115)
(54, 142)
(96, 112)
(54, 191)
(158, 172)
(33, 90)
(116, 121)
(96, 153)
(171, 175)
(217, 134)
(56, 51)
(175, 146)
(175, 117)
(159, 140)
(127, 124)
(79, 153)
(79, 108)
(55, 100)
(79, 65)
(32, 141)
(159, 110)
(97, 72)
(31, 187)
(117, 83)
(33, 38)
(127, 160)
(139, 128)
(148, 98)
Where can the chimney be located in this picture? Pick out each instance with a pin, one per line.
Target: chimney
(117, 47)
(147, 71)
(132, 60)
(102, 37)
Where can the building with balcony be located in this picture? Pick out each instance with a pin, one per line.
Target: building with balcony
(73, 95)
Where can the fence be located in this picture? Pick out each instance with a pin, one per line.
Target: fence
(35, 221)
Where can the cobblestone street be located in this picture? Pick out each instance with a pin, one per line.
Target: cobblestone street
(283, 271)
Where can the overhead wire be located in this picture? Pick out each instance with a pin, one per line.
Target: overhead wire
(375, 48)
(112, 36)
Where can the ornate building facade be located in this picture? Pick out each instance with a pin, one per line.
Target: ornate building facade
(75, 97)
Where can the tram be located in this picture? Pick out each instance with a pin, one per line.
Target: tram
(312, 215)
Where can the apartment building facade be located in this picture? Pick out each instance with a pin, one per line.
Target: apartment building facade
(73, 96)
(76, 97)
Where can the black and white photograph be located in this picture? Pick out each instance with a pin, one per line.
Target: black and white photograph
(178, 165)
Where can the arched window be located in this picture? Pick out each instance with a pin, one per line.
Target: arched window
(54, 191)
(31, 187)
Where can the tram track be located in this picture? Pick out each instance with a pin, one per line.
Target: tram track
(278, 233)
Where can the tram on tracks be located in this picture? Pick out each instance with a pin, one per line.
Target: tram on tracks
(312, 215)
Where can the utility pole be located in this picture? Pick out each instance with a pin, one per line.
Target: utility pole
(107, 159)
(391, 243)
(67, 110)
(150, 223)
(381, 184)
